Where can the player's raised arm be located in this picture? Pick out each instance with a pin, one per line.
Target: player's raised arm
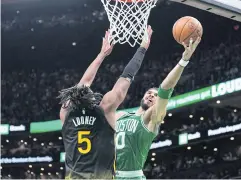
(88, 76)
(115, 97)
(91, 71)
(156, 113)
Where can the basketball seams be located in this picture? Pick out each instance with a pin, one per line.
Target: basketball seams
(182, 30)
(185, 28)
(194, 31)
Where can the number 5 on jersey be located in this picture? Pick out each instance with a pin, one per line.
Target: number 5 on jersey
(120, 140)
(82, 139)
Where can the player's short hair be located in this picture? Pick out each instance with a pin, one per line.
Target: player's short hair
(79, 96)
(155, 88)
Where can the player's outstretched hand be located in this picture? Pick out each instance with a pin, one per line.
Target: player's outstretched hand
(189, 50)
(147, 38)
(106, 46)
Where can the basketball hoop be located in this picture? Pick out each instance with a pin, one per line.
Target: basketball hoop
(128, 19)
(130, 1)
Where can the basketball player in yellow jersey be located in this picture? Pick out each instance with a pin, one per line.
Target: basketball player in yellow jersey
(135, 132)
(89, 120)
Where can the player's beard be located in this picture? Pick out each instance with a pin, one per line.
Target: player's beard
(143, 105)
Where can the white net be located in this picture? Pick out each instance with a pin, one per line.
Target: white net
(128, 19)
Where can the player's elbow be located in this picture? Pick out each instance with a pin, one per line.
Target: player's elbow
(160, 117)
(112, 100)
(158, 121)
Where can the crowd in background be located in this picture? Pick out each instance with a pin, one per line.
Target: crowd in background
(160, 171)
(37, 33)
(26, 147)
(222, 163)
(201, 120)
(36, 90)
(33, 175)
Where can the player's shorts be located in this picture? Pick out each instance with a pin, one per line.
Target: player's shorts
(136, 175)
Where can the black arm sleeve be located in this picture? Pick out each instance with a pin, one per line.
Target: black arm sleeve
(134, 65)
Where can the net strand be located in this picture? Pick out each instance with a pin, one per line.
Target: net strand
(128, 20)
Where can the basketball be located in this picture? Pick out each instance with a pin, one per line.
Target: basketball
(186, 28)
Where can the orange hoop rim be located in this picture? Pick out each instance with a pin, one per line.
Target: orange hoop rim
(130, 1)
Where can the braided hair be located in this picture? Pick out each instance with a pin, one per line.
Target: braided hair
(79, 96)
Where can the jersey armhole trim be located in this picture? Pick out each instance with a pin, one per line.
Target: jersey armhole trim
(125, 114)
(144, 126)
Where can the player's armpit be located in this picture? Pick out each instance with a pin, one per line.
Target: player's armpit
(115, 97)
(154, 116)
(159, 110)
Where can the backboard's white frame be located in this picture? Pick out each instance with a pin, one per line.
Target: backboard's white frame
(216, 8)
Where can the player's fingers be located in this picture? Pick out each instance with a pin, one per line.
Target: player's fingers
(146, 34)
(106, 34)
(195, 44)
(190, 42)
(184, 45)
(150, 32)
(112, 44)
(103, 42)
(151, 29)
(148, 27)
(198, 40)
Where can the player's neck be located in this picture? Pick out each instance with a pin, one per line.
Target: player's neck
(140, 111)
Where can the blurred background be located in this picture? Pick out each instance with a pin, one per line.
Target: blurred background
(47, 45)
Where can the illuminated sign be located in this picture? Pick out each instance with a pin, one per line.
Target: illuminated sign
(184, 137)
(4, 129)
(62, 157)
(196, 135)
(47, 126)
(17, 128)
(14, 160)
(203, 94)
(159, 144)
(226, 87)
(222, 130)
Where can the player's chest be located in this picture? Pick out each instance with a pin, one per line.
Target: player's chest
(127, 125)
